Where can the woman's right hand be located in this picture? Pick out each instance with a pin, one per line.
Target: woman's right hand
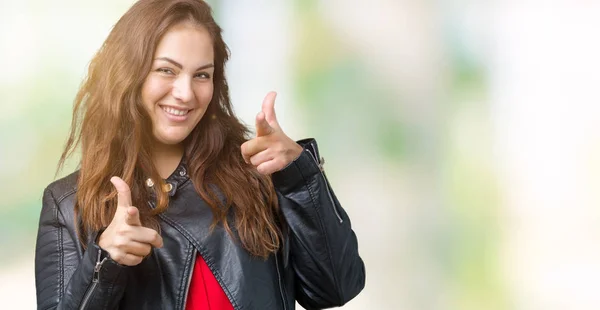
(125, 239)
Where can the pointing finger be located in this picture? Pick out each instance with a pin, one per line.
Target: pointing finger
(133, 216)
(262, 126)
(268, 107)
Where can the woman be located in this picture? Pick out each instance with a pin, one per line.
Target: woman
(173, 206)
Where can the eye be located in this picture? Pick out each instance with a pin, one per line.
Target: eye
(202, 75)
(165, 70)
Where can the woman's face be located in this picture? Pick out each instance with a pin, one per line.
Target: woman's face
(179, 87)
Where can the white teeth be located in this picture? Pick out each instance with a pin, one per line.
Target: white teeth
(174, 111)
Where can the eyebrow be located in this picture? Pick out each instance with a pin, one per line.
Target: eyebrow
(178, 65)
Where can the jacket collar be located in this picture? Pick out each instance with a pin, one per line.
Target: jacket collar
(177, 179)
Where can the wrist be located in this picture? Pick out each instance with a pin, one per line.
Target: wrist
(100, 239)
(297, 151)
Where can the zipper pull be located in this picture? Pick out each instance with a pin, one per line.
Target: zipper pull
(98, 266)
(322, 164)
(319, 160)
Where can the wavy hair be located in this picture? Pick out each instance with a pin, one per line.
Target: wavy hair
(114, 133)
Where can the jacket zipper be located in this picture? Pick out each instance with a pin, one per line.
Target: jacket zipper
(320, 164)
(95, 280)
(189, 280)
(280, 283)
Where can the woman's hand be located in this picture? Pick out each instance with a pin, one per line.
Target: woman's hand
(125, 239)
(271, 150)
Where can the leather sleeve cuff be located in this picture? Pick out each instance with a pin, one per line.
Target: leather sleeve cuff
(301, 169)
(111, 271)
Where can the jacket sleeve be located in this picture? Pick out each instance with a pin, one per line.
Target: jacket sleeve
(66, 279)
(323, 248)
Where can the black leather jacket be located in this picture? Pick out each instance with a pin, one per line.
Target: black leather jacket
(319, 265)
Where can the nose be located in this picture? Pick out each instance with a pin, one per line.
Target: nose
(182, 89)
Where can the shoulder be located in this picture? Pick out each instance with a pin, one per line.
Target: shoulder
(58, 202)
(63, 188)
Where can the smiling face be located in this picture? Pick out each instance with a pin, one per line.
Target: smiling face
(179, 87)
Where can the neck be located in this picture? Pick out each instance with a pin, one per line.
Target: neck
(166, 158)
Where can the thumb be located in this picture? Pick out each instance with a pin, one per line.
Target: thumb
(262, 126)
(123, 192)
(133, 217)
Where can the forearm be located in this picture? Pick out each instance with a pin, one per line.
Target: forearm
(64, 278)
(324, 249)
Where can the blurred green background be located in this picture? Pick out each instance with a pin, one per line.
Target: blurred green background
(460, 136)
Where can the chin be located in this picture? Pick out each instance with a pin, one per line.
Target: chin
(170, 139)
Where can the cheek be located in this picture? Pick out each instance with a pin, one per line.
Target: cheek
(204, 95)
(153, 90)
(209, 94)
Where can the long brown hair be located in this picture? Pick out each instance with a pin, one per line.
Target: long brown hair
(114, 131)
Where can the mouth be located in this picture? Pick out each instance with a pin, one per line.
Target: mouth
(175, 111)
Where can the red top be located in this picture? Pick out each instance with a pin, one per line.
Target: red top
(205, 292)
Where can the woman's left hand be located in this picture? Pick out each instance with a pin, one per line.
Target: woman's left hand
(271, 150)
